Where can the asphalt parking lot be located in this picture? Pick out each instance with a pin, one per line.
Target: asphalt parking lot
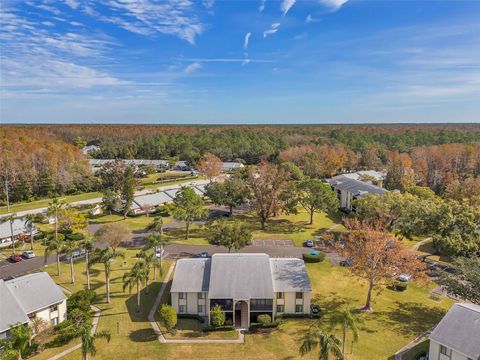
(272, 243)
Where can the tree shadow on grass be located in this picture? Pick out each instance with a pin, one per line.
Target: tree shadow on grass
(283, 226)
(143, 335)
(410, 319)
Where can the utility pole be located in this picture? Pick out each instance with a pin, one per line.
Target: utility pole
(6, 192)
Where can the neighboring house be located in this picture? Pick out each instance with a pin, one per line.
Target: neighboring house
(182, 166)
(159, 165)
(28, 297)
(457, 335)
(244, 285)
(19, 227)
(231, 166)
(149, 202)
(375, 177)
(348, 190)
(90, 149)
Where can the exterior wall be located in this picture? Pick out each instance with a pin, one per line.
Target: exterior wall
(174, 299)
(289, 301)
(191, 303)
(48, 315)
(346, 200)
(434, 353)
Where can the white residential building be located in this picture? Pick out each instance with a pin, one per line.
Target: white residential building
(457, 335)
(244, 285)
(28, 297)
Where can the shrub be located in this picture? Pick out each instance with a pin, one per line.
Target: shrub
(191, 316)
(81, 300)
(400, 286)
(219, 328)
(313, 258)
(295, 316)
(39, 236)
(264, 326)
(168, 317)
(217, 316)
(264, 319)
(74, 236)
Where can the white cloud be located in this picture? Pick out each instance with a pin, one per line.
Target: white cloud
(311, 19)
(273, 29)
(334, 5)
(287, 5)
(261, 7)
(225, 60)
(75, 23)
(208, 3)
(48, 23)
(192, 67)
(246, 40)
(72, 3)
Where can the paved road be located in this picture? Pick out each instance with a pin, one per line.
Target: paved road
(8, 270)
(99, 200)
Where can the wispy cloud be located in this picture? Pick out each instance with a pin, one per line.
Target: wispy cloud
(273, 29)
(311, 19)
(333, 5)
(287, 5)
(223, 60)
(246, 40)
(261, 7)
(192, 67)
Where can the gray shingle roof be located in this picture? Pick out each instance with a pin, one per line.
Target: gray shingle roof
(18, 228)
(240, 276)
(35, 291)
(191, 275)
(289, 274)
(460, 330)
(356, 187)
(11, 312)
(229, 166)
(153, 199)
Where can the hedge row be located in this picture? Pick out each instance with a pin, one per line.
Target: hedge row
(219, 328)
(273, 324)
(74, 236)
(313, 258)
(191, 316)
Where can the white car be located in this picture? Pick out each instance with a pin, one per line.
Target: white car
(403, 277)
(28, 254)
(159, 253)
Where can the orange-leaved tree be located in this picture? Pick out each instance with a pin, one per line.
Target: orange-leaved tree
(210, 166)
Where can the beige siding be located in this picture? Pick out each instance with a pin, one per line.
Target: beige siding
(192, 301)
(434, 353)
(174, 297)
(289, 301)
(48, 315)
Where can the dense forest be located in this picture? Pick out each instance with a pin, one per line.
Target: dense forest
(46, 160)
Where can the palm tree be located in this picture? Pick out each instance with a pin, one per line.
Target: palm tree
(157, 224)
(348, 319)
(135, 277)
(105, 256)
(88, 339)
(327, 343)
(10, 218)
(53, 208)
(69, 247)
(30, 226)
(55, 245)
(149, 259)
(87, 245)
(17, 342)
(154, 241)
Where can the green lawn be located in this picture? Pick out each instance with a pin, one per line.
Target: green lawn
(192, 329)
(134, 223)
(398, 318)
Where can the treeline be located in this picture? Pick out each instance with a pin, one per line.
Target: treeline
(34, 163)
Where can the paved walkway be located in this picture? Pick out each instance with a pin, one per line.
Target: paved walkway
(96, 318)
(158, 332)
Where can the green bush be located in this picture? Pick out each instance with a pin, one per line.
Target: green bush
(294, 316)
(217, 316)
(219, 328)
(74, 236)
(81, 300)
(191, 316)
(168, 317)
(264, 319)
(400, 286)
(311, 258)
(264, 326)
(39, 236)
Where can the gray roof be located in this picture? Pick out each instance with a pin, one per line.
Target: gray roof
(11, 312)
(240, 276)
(152, 199)
(378, 175)
(35, 291)
(137, 162)
(460, 330)
(356, 187)
(200, 188)
(18, 228)
(228, 166)
(24, 295)
(191, 275)
(172, 192)
(289, 274)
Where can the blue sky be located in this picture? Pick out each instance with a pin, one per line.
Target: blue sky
(317, 61)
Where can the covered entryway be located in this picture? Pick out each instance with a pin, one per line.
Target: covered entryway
(241, 314)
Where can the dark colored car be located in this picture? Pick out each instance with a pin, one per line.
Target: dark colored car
(309, 243)
(314, 309)
(347, 262)
(203, 254)
(15, 258)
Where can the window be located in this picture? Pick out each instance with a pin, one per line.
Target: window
(54, 321)
(200, 295)
(299, 295)
(200, 309)
(181, 295)
(181, 308)
(444, 350)
(280, 295)
(53, 308)
(261, 304)
(280, 308)
(299, 308)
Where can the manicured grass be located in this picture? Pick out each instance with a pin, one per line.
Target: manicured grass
(134, 223)
(192, 329)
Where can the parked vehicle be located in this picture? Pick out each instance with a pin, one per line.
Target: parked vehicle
(28, 254)
(15, 258)
(309, 243)
(314, 309)
(159, 253)
(403, 277)
(77, 254)
(203, 254)
(216, 242)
